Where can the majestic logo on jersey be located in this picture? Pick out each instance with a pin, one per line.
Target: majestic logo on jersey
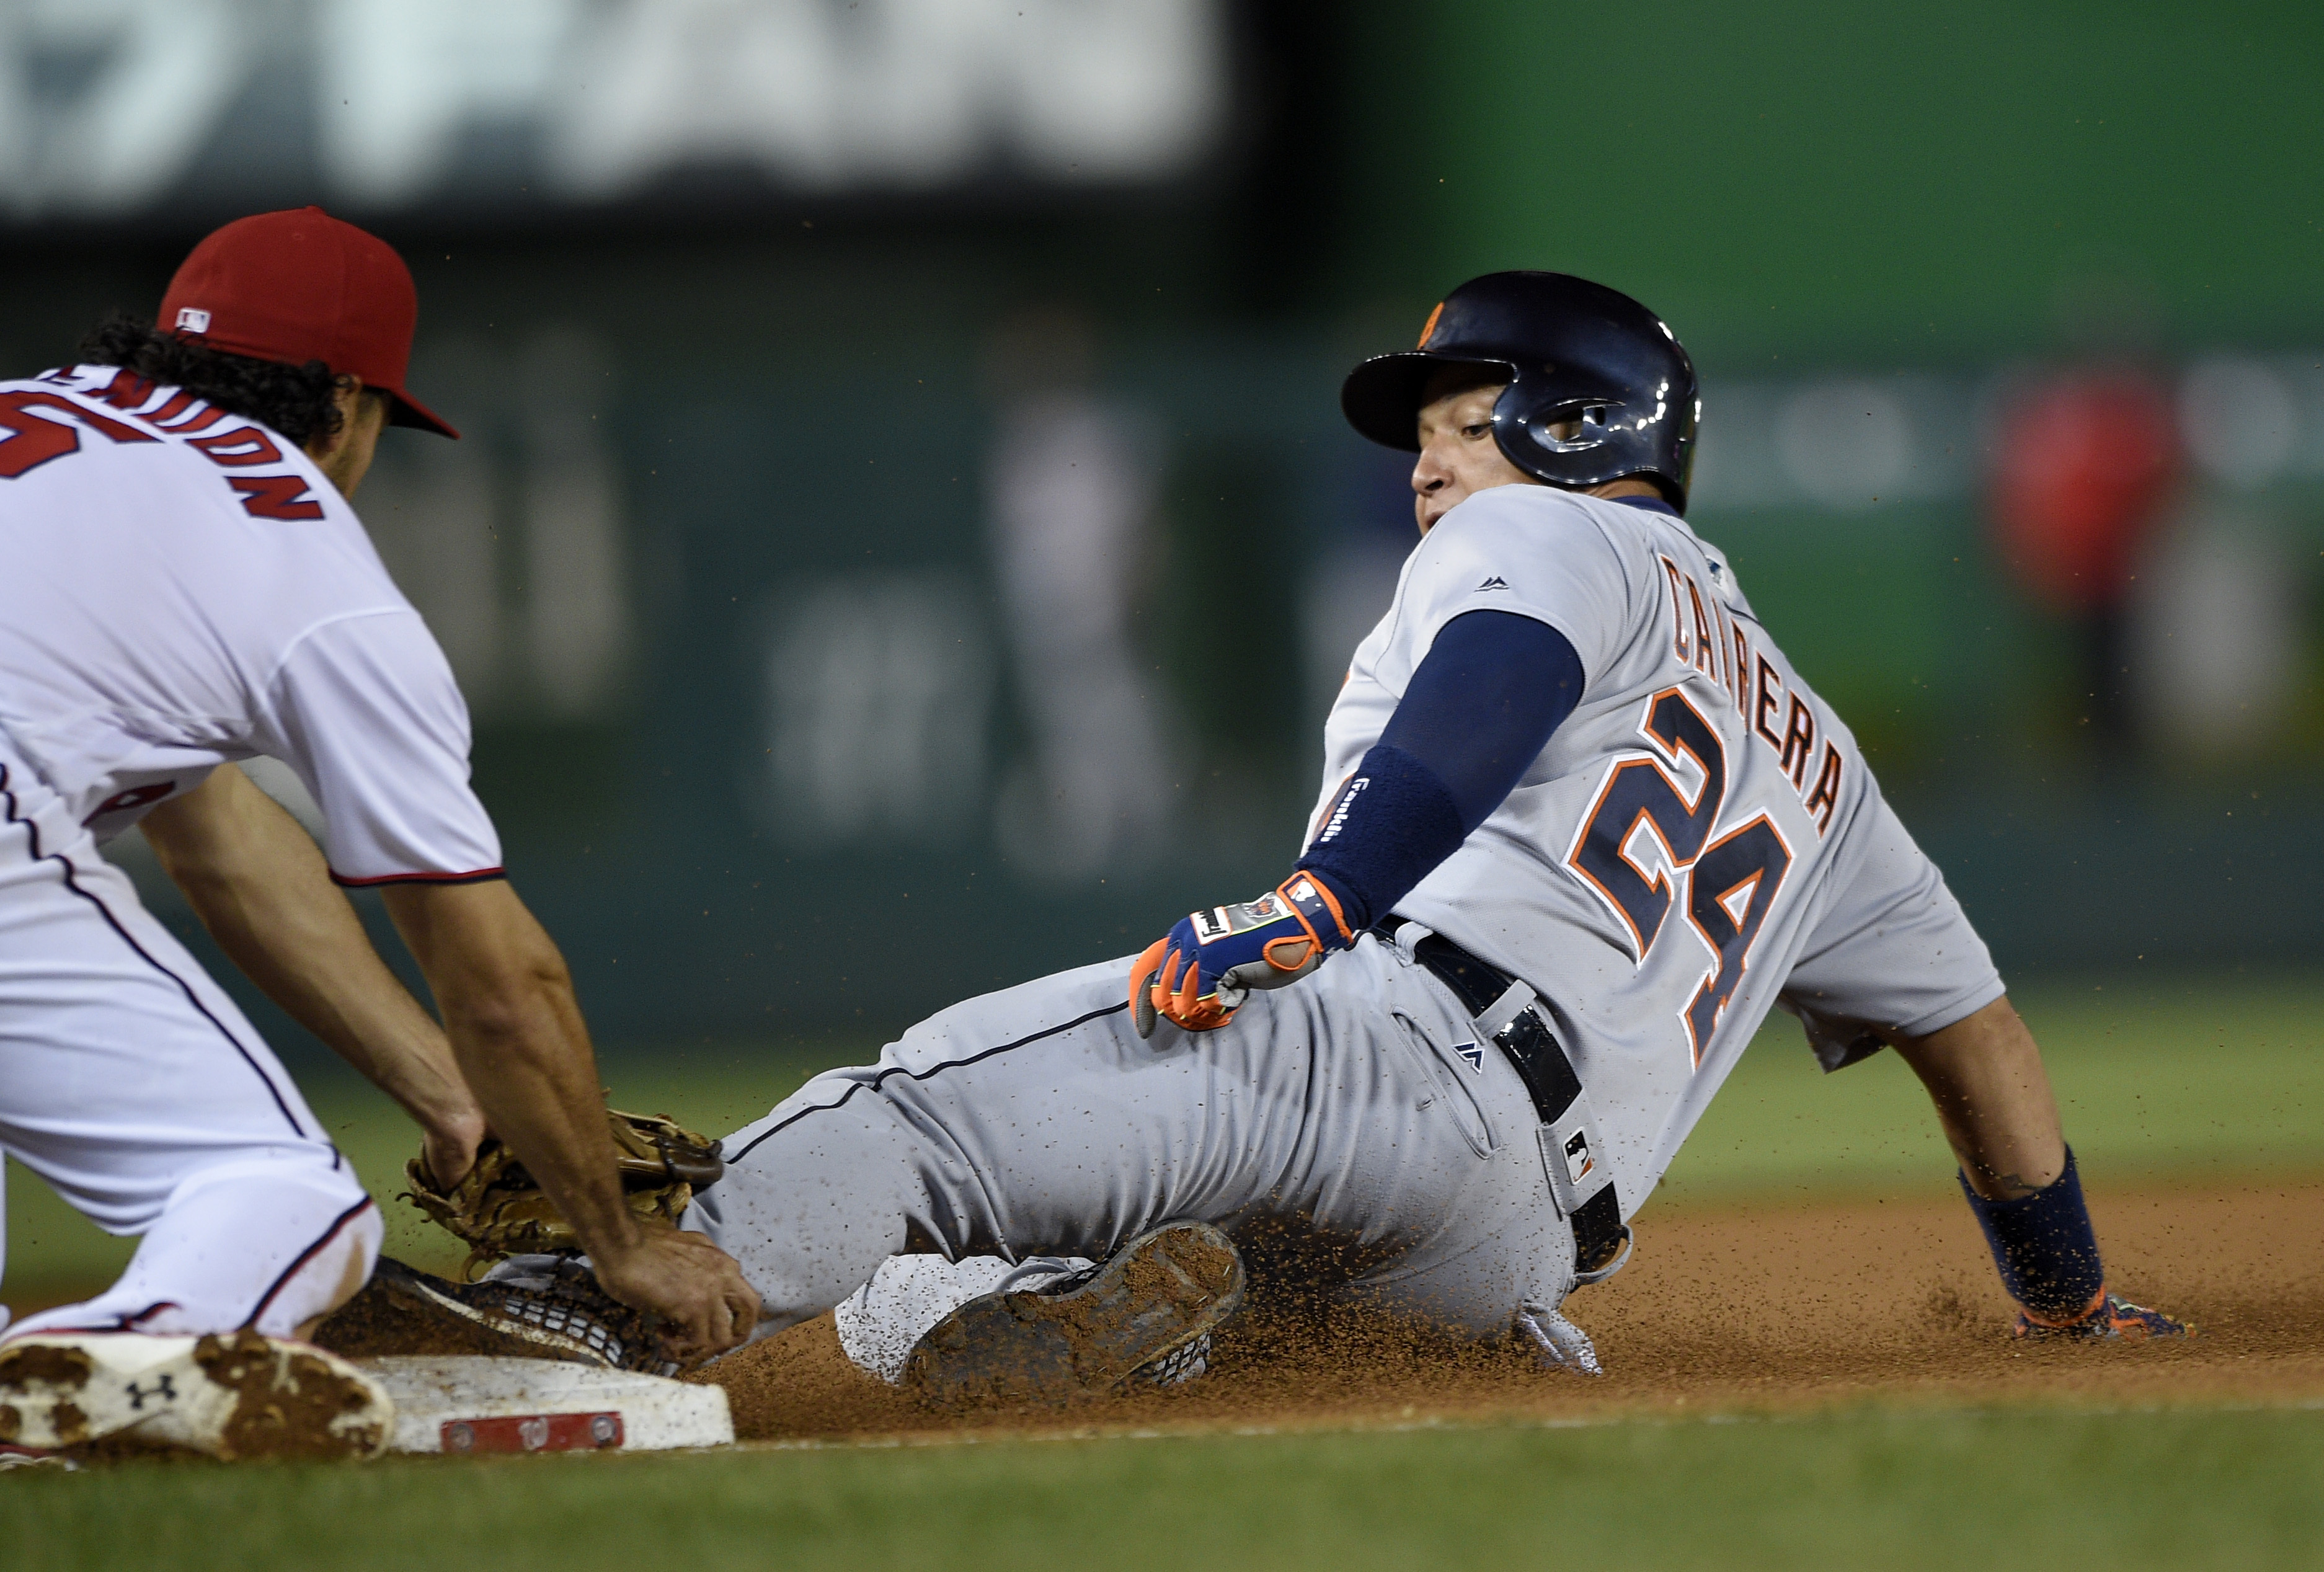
(193, 320)
(1495, 582)
(1644, 837)
(1474, 1054)
(136, 797)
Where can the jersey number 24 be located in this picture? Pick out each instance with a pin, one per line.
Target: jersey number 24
(1730, 884)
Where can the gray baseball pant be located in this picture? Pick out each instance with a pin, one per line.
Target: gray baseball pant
(1331, 1128)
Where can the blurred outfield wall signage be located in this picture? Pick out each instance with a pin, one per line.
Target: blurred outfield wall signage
(1850, 444)
(1069, 508)
(111, 108)
(513, 543)
(878, 696)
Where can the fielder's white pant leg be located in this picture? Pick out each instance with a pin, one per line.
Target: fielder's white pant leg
(256, 1243)
(131, 1084)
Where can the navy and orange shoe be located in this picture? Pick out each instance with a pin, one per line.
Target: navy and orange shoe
(2110, 1318)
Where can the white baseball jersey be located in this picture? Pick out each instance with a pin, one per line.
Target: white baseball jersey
(182, 587)
(1698, 826)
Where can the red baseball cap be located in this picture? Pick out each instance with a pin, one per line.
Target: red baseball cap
(301, 285)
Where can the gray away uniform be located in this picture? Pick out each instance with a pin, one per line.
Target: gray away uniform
(1699, 842)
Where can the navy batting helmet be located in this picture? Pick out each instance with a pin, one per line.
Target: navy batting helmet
(1574, 351)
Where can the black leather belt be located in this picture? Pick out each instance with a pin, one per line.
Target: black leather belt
(1599, 1234)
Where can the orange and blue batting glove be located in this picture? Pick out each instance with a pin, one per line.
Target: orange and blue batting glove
(1200, 974)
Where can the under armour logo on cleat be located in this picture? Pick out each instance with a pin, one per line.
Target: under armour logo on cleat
(1495, 582)
(1474, 1054)
(161, 1389)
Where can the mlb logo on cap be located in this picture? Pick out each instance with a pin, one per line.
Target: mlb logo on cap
(299, 286)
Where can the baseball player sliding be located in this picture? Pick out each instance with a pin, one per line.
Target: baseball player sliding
(186, 586)
(1581, 826)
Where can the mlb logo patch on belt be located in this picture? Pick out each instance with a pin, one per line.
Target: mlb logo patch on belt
(1578, 1161)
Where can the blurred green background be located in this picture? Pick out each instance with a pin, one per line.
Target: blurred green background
(904, 538)
(1869, 185)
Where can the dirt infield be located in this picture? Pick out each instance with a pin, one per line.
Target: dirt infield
(1765, 1308)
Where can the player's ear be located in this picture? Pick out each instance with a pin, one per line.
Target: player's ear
(347, 407)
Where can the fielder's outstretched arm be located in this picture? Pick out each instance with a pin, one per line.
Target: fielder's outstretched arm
(516, 1030)
(259, 883)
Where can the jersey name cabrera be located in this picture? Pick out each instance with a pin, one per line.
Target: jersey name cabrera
(183, 588)
(1654, 872)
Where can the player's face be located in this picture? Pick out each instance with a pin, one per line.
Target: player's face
(1458, 456)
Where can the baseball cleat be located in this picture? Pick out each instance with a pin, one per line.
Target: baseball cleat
(541, 1306)
(235, 1394)
(2113, 1319)
(1143, 1315)
(1558, 1342)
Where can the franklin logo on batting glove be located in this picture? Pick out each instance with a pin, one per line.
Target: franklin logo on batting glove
(1202, 971)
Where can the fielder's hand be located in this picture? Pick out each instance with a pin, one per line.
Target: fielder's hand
(693, 1286)
(1208, 965)
(448, 1150)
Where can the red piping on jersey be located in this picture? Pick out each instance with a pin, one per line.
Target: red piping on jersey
(477, 877)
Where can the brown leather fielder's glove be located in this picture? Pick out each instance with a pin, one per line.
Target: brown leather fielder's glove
(500, 1210)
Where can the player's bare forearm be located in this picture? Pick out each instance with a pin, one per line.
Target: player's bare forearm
(510, 1011)
(1985, 1076)
(517, 1035)
(261, 887)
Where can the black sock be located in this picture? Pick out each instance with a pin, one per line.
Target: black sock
(2044, 1245)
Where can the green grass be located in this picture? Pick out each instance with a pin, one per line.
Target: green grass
(2175, 1490)
(2203, 1080)
(2196, 1081)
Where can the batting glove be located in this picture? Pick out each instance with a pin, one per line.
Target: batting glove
(1200, 974)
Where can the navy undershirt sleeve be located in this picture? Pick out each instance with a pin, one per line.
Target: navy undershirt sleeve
(1477, 712)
